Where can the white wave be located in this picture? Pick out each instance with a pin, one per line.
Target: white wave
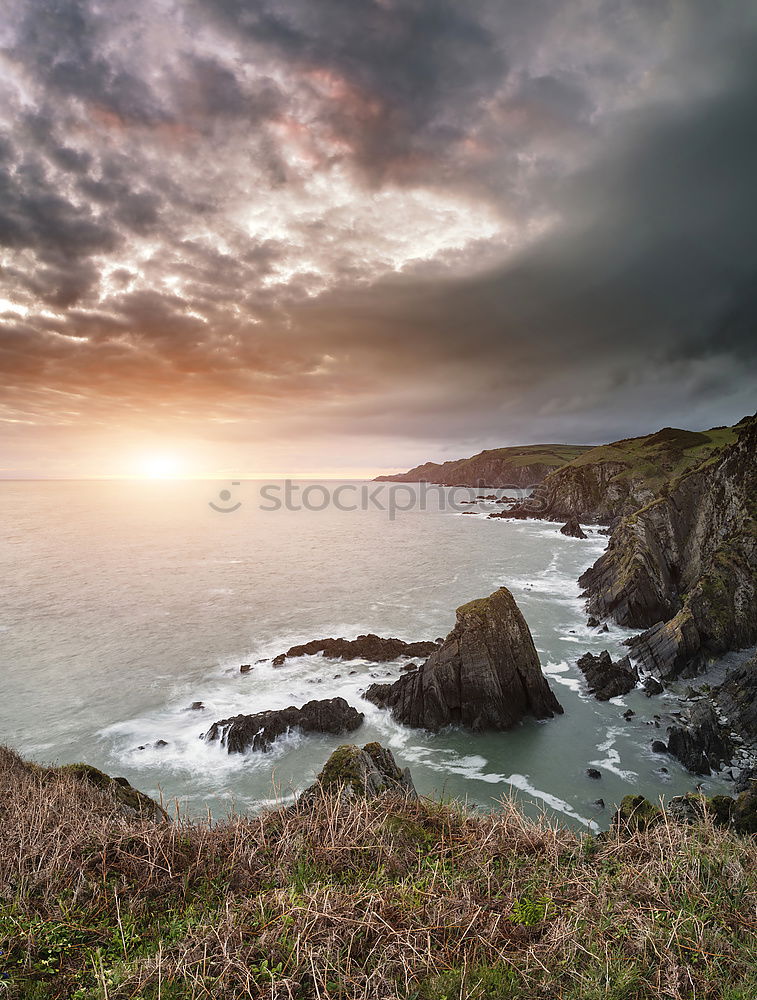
(612, 760)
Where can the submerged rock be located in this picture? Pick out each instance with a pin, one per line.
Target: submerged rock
(572, 529)
(485, 675)
(258, 732)
(354, 773)
(701, 743)
(366, 647)
(606, 678)
(593, 772)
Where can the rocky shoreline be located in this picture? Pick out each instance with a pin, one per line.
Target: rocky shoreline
(682, 560)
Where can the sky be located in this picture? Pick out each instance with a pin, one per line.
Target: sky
(342, 237)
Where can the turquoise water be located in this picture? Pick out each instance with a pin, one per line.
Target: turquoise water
(126, 602)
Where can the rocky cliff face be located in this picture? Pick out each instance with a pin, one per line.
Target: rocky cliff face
(615, 480)
(596, 493)
(519, 467)
(485, 675)
(685, 567)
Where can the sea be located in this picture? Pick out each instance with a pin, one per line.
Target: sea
(123, 603)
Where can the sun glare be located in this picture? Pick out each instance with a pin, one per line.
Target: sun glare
(159, 466)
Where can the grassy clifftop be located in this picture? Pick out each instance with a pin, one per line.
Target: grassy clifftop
(363, 900)
(659, 457)
(642, 464)
(523, 465)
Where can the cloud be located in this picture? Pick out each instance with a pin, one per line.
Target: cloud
(419, 224)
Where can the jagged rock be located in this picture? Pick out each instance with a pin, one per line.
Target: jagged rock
(278, 661)
(593, 772)
(685, 566)
(629, 714)
(652, 686)
(737, 700)
(694, 807)
(129, 800)
(245, 668)
(636, 813)
(607, 679)
(354, 773)
(746, 780)
(485, 675)
(366, 647)
(572, 529)
(701, 744)
(258, 732)
(659, 747)
(196, 706)
(593, 623)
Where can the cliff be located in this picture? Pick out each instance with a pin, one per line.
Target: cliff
(485, 675)
(684, 567)
(617, 479)
(518, 467)
(368, 895)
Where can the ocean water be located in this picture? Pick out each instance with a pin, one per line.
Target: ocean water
(124, 602)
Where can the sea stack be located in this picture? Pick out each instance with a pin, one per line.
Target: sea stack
(485, 675)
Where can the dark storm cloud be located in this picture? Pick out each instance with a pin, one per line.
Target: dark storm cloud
(62, 43)
(403, 78)
(650, 273)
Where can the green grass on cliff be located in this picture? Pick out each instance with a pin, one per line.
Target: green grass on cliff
(362, 901)
(534, 454)
(654, 458)
(658, 458)
(551, 455)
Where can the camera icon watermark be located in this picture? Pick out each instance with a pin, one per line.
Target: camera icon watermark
(226, 498)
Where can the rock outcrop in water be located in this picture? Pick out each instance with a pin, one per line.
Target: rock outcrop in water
(366, 647)
(258, 732)
(572, 529)
(607, 678)
(701, 743)
(485, 675)
(685, 567)
(353, 773)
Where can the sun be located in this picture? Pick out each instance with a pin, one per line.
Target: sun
(159, 466)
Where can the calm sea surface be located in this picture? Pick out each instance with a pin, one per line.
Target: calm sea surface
(124, 602)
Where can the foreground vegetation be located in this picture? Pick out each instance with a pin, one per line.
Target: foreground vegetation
(362, 899)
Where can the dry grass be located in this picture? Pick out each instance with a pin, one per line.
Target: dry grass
(372, 900)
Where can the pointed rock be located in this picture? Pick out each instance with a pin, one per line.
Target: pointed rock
(485, 675)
